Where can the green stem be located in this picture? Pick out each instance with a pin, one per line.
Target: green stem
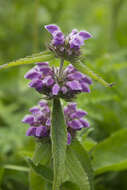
(18, 168)
(61, 67)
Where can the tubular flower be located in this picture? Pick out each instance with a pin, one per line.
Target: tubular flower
(40, 121)
(50, 82)
(74, 120)
(67, 47)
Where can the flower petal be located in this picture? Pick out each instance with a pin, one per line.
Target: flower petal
(48, 81)
(74, 85)
(84, 122)
(31, 131)
(75, 124)
(37, 83)
(29, 119)
(68, 138)
(43, 103)
(55, 89)
(85, 35)
(51, 28)
(34, 110)
(41, 131)
(85, 87)
(32, 74)
(78, 114)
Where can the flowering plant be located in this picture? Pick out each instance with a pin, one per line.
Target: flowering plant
(59, 157)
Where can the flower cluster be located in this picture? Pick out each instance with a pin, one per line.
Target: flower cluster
(74, 120)
(50, 82)
(59, 82)
(68, 46)
(40, 121)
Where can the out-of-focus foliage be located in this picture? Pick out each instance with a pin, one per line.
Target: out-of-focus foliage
(22, 33)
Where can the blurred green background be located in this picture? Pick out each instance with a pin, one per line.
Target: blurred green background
(22, 33)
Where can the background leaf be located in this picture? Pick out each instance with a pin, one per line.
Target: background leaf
(1, 175)
(111, 154)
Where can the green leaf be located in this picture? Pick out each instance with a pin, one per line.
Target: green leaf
(36, 182)
(42, 152)
(1, 175)
(88, 144)
(76, 170)
(43, 56)
(59, 142)
(42, 155)
(111, 154)
(86, 70)
(69, 186)
(41, 170)
(84, 159)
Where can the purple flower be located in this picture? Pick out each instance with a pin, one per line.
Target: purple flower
(43, 103)
(40, 120)
(55, 89)
(77, 39)
(41, 131)
(68, 138)
(74, 85)
(74, 120)
(48, 82)
(57, 35)
(52, 28)
(32, 74)
(84, 123)
(78, 114)
(29, 119)
(36, 83)
(67, 47)
(42, 64)
(85, 35)
(34, 110)
(31, 131)
(75, 124)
